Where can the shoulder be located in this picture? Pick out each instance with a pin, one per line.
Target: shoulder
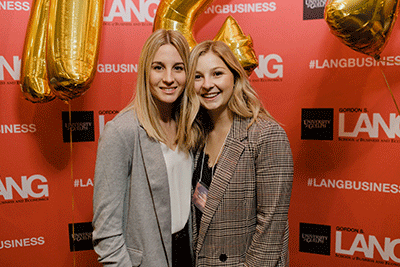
(266, 129)
(261, 129)
(125, 120)
(268, 139)
(124, 126)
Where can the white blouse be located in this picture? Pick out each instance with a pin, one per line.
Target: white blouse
(179, 169)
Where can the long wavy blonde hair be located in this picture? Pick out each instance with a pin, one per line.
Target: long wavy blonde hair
(195, 122)
(143, 101)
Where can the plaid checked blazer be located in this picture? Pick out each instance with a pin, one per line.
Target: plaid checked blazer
(245, 220)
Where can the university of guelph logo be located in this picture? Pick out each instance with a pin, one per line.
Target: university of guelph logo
(80, 236)
(315, 238)
(81, 127)
(313, 9)
(317, 124)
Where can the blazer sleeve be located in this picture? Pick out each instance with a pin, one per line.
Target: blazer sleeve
(274, 177)
(111, 180)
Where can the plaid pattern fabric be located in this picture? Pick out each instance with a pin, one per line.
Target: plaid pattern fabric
(245, 221)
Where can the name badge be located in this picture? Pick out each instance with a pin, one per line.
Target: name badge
(200, 196)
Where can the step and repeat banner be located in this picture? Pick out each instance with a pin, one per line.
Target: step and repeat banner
(334, 103)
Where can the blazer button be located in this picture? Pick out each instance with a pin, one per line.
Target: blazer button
(223, 257)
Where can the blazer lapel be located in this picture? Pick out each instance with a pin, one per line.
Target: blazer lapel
(226, 166)
(156, 171)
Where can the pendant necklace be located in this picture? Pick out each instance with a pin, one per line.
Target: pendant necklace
(200, 194)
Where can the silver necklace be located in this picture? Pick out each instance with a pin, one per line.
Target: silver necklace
(216, 159)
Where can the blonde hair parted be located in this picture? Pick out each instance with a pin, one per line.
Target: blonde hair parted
(244, 101)
(143, 102)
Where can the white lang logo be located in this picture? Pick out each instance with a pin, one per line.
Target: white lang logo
(26, 190)
(14, 72)
(368, 246)
(262, 69)
(124, 11)
(364, 124)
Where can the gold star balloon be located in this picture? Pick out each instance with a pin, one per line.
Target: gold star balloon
(241, 45)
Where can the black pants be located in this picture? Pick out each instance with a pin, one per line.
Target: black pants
(181, 248)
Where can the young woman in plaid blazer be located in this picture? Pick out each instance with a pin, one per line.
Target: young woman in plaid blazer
(243, 165)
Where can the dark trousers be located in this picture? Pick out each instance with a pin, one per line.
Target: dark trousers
(181, 248)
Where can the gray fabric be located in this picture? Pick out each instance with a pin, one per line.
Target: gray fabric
(125, 226)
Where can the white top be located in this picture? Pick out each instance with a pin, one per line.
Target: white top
(179, 169)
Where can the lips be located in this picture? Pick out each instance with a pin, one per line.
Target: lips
(210, 95)
(168, 90)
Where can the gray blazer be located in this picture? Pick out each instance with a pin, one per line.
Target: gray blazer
(126, 232)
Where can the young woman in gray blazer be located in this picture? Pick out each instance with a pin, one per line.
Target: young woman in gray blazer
(243, 175)
(142, 183)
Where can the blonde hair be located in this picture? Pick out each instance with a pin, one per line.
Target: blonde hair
(143, 102)
(195, 123)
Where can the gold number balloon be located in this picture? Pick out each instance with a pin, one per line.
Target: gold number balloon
(363, 25)
(34, 83)
(73, 45)
(180, 15)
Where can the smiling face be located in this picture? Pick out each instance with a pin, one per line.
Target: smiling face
(167, 75)
(214, 83)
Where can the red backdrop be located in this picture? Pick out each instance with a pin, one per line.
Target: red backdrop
(333, 103)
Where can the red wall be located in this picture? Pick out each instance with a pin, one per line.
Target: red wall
(332, 101)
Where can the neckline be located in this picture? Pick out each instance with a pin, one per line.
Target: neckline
(220, 150)
(173, 150)
(206, 159)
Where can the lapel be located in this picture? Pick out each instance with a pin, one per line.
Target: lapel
(156, 172)
(226, 166)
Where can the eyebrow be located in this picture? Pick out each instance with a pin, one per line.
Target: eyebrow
(162, 63)
(216, 68)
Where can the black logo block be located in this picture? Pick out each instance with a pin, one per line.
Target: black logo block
(313, 9)
(81, 126)
(315, 238)
(80, 236)
(317, 124)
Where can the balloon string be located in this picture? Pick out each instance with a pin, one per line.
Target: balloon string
(390, 90)
(72, 182)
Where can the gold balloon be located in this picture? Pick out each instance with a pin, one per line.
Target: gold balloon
(242, 46)
(363, 25)
(180, 15)
(73, 45)
(34, 84)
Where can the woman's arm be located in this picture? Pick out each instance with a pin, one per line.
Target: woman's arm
(274, 176)
(113, 165)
